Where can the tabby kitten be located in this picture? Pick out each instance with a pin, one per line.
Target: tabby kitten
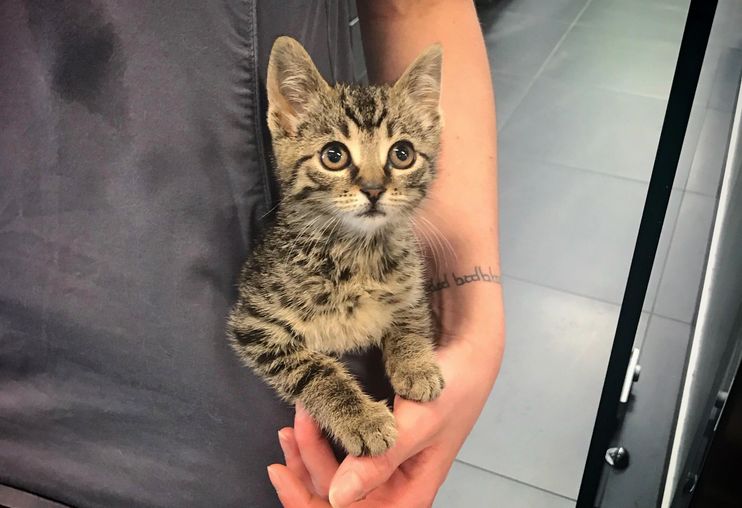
(340, 269)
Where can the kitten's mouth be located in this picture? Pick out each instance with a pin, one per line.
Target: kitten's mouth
(372, 212)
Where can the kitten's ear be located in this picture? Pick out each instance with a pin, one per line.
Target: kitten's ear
(422, 79)
(292, 82)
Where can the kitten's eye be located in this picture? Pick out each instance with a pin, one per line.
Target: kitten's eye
(335, 156)
(401, 155)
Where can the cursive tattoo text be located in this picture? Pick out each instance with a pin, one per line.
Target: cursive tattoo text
(478, 275)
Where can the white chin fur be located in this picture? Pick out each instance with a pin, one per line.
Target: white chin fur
(365, 224)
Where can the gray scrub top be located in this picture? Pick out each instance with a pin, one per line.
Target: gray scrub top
(134, 175)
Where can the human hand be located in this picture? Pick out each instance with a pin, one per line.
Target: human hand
(408, 474)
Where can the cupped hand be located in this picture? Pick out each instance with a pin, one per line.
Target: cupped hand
(409, 474)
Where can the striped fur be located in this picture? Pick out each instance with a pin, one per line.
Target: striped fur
(328, 277)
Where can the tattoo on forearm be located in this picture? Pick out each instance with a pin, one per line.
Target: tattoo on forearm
(457, 279)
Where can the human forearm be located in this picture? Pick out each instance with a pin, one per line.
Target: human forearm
(463, 201)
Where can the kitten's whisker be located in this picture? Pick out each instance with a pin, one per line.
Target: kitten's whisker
(437, 236)
(328, 237)
(434, 241)
(320, 234)
(440, 236)
(437, 264)
(297, 239)
(316, 235)
(436, 212)
(269, 211)
(420, 246)
(431, 246)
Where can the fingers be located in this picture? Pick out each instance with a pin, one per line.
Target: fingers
(316, 453)
(292, 456)
(357, 476)
(291, 490)
(414, 484)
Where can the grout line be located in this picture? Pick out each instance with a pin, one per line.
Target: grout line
(521, 482)
(608, 88)
(561, 290)
(506, 275)
(532, 81)
(505, 155)
(556, 46)
(594, 86)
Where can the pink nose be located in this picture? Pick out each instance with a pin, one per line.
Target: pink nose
(373, 193)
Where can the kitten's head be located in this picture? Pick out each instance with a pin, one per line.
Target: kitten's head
(364, 154)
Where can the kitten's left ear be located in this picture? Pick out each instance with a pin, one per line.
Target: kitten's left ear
(422, 79)
(292, 82)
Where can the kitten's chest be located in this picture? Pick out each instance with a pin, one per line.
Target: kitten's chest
(356, 315)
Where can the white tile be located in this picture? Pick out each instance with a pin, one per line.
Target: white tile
(584, 127)
(571, 229)
(509, 91)
(563, 10)
(520, 44)
(637, 19)
(470, 487)
(537, 424)
(589, 55)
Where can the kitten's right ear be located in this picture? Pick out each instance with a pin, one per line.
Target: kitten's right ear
(292, 82)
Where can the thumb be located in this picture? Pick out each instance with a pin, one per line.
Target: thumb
(357, 476)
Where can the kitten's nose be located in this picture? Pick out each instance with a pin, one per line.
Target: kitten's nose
(373, 193)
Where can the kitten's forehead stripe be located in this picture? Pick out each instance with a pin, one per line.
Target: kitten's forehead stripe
(382, 115)
(390, 128)
(352, 115)
(364, 106)
(344, 129)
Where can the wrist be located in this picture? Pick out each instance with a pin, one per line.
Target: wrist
(471, 319)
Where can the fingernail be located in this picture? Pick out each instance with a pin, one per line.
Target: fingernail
(274, 478)
(282, 444)
(347, 488)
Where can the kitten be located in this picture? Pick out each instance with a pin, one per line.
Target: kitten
(340, 269)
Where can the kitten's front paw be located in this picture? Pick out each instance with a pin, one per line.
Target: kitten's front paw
(421, 382)
(371, 432)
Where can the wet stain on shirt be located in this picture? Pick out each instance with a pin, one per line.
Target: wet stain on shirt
(83, 53)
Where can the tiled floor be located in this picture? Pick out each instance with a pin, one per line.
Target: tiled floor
(476, 487)
(581, 89)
